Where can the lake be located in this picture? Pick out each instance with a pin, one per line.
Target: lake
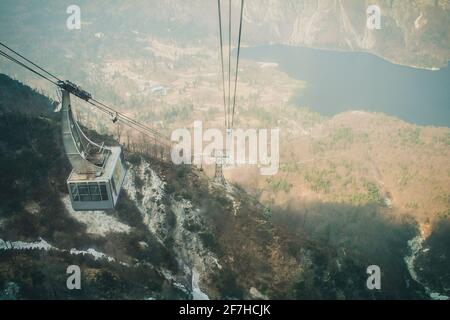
(341, 81)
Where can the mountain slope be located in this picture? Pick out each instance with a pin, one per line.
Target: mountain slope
(413, 32)
(175, 233)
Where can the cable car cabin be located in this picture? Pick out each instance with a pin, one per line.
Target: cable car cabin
(89, 192)
(98, 171)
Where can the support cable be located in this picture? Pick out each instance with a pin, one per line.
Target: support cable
(29, 61)
(222, 63)
(237, 62)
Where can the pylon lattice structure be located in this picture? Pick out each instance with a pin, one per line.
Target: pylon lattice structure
(218, 173)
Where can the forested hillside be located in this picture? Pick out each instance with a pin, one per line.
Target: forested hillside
(176, 233)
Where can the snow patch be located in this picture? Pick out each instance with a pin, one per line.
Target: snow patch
(21, 245)
(147, 190)
(257, 295)
(92, 252)
(97, 222)
(10, 291)
(230, 195)
(45, 246)
(197, 293)
(416, 247)
(152, 192)
(32, 207)
(181, 287)
(192, 256)
(420, 22)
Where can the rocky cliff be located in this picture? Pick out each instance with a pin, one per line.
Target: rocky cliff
(412, 32)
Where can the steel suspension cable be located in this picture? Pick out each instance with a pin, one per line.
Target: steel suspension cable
(237, 61)
(4, 54)
(121, 115)
(229, 61)
(97, 104)
(129, 124)
(29, 61)
(222, 63)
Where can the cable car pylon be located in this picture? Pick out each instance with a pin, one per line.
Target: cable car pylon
(229, 108)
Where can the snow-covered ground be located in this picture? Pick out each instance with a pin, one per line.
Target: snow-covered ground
(195, 259)
(230, 195)
(416, 247)
(147, 190)
(92, 252)
(257, 295)
(197, 293)
(45, 246)
(151, 205)
(155, 205)
(97, 222)
(21, 245)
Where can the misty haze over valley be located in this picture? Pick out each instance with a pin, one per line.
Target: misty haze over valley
(364, 149)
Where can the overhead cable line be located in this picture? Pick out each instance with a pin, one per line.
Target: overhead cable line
(230, 107)
(229, 61)
(95, 103)
(29, 61)
(237, 61)
(222, 63)
(4, 54)
(133, 124)
(121, 115)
